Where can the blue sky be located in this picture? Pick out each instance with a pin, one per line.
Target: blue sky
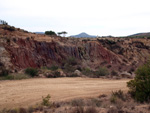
(95, 17)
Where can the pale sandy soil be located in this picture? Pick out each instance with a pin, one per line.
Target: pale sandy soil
(23, 93)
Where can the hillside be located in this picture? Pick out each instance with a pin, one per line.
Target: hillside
(83, 35)
(88, 60)
(141, 35)
(20, 49)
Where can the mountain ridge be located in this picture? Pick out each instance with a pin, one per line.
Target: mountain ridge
(39, 32)
(145, 34)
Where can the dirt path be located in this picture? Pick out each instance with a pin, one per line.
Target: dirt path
(22, 93)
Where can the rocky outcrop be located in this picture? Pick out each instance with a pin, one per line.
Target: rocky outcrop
(5, 59)
(31, 53)
(20, 49)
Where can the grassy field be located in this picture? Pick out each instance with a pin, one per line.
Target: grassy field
(23, 93)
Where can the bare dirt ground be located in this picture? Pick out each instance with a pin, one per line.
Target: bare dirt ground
(23, 93)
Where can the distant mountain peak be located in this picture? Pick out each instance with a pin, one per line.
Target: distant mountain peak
(83, 35)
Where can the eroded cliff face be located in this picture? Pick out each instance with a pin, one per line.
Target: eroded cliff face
(31, 53)
(20, 49)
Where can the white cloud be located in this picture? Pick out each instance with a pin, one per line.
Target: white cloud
(99, 17)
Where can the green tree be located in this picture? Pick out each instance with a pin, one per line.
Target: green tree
(50, 33)
(63, 32)
(139, 88)
(59, 33)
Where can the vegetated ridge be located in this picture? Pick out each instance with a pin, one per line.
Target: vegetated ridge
(20, 49)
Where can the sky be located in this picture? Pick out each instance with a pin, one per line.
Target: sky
(95, 17)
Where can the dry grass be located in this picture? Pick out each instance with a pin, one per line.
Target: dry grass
(28, 92)
(88, 105)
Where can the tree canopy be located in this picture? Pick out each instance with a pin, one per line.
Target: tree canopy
(3, 22)
(63, 32)
(50, 33)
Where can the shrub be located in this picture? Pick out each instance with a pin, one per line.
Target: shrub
(119, 94)
(22, 110)
(113, 99)
(31, 71)
(102, 96)
(87, 71)
(114, 73)
(70, 64)
(20, 76)
(3, 72)
(79, 109)
(53, 68)
(8, 77)
(56, 74)
(117, 97)
(77, 102)
(131, 70)
(27, 38)
(96, 102)
(9, 28)
(46, 101)
(79, 68)
(45, 68)
(71, 61)
(30, 109)
(102, 71)
(13, 111)
(15, 77)
(69, 68)
(72, 75)
(139, 88)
